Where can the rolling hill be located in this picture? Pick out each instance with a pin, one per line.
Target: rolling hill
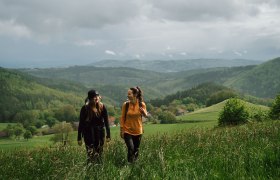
(262, 80)
(22, 94)
(258, 80)
(211, 113)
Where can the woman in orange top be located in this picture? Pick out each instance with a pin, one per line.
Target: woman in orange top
(131, 122)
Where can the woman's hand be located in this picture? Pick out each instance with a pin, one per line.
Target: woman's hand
(121, 133)
(143, 112)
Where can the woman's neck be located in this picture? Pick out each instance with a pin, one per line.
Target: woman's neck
(93, 105)
(133, 101)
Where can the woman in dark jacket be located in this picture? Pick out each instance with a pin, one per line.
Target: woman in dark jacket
(93, 118)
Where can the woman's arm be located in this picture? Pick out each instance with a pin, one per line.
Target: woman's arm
(106, 122)
(81, 122)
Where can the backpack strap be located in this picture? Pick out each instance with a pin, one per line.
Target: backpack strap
(126, 109)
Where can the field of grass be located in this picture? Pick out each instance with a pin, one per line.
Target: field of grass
(4, 125)
(249, 151)
(149, 129)
(35, 142)
(202, 118)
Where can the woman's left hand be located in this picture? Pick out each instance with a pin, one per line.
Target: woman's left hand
(143, 112)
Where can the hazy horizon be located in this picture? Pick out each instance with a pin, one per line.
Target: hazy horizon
(61, 65)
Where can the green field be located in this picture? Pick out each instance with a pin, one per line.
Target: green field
(149, 129)
(249, 151)
(202, 118)
(193, 149)
(212, 113)
(4, 125)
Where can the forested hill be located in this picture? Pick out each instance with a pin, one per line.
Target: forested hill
(90, 75)
(175, 65)
(262, 81)
(201, 95)
(111, 82)
(21, 97)
(205, 94)
(258, 80)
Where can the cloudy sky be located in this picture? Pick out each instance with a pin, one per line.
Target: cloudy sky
(71, 32)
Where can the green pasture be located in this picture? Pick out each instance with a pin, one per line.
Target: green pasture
(202, 118)
(212, 113)
(149, 129)
(249, 151)
(4, 125)
(35, 142)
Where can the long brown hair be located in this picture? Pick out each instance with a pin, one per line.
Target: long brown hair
(136, 91)
(99, 107)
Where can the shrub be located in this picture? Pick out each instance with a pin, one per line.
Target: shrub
(62, 132)
(258, 114)
(275, 109)
(27, 135)
(166, 117)
(234, 113)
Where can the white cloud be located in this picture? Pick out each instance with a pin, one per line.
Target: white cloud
(237, 53)
(138, 56)
(110, 52)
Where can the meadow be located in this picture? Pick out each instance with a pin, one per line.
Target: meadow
(193, 149)
(44, 141)
(249, 151)
(211, 114)
(4, 125)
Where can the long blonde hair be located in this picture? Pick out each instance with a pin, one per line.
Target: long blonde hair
(98, 106)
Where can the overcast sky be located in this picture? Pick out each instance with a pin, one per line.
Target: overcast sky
(72, 32)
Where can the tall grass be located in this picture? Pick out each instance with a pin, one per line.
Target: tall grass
(250, 151)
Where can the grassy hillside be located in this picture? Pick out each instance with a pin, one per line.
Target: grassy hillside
(212, 113)
(221, 153)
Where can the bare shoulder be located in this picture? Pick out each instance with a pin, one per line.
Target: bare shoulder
(143, 104)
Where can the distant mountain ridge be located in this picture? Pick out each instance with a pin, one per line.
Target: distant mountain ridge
(259, 80)
(175, 65)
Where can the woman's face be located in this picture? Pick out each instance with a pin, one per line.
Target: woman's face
(95, 99)
(130, 95)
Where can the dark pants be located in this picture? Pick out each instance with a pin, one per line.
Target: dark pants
(94, 141)
(132, 143)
